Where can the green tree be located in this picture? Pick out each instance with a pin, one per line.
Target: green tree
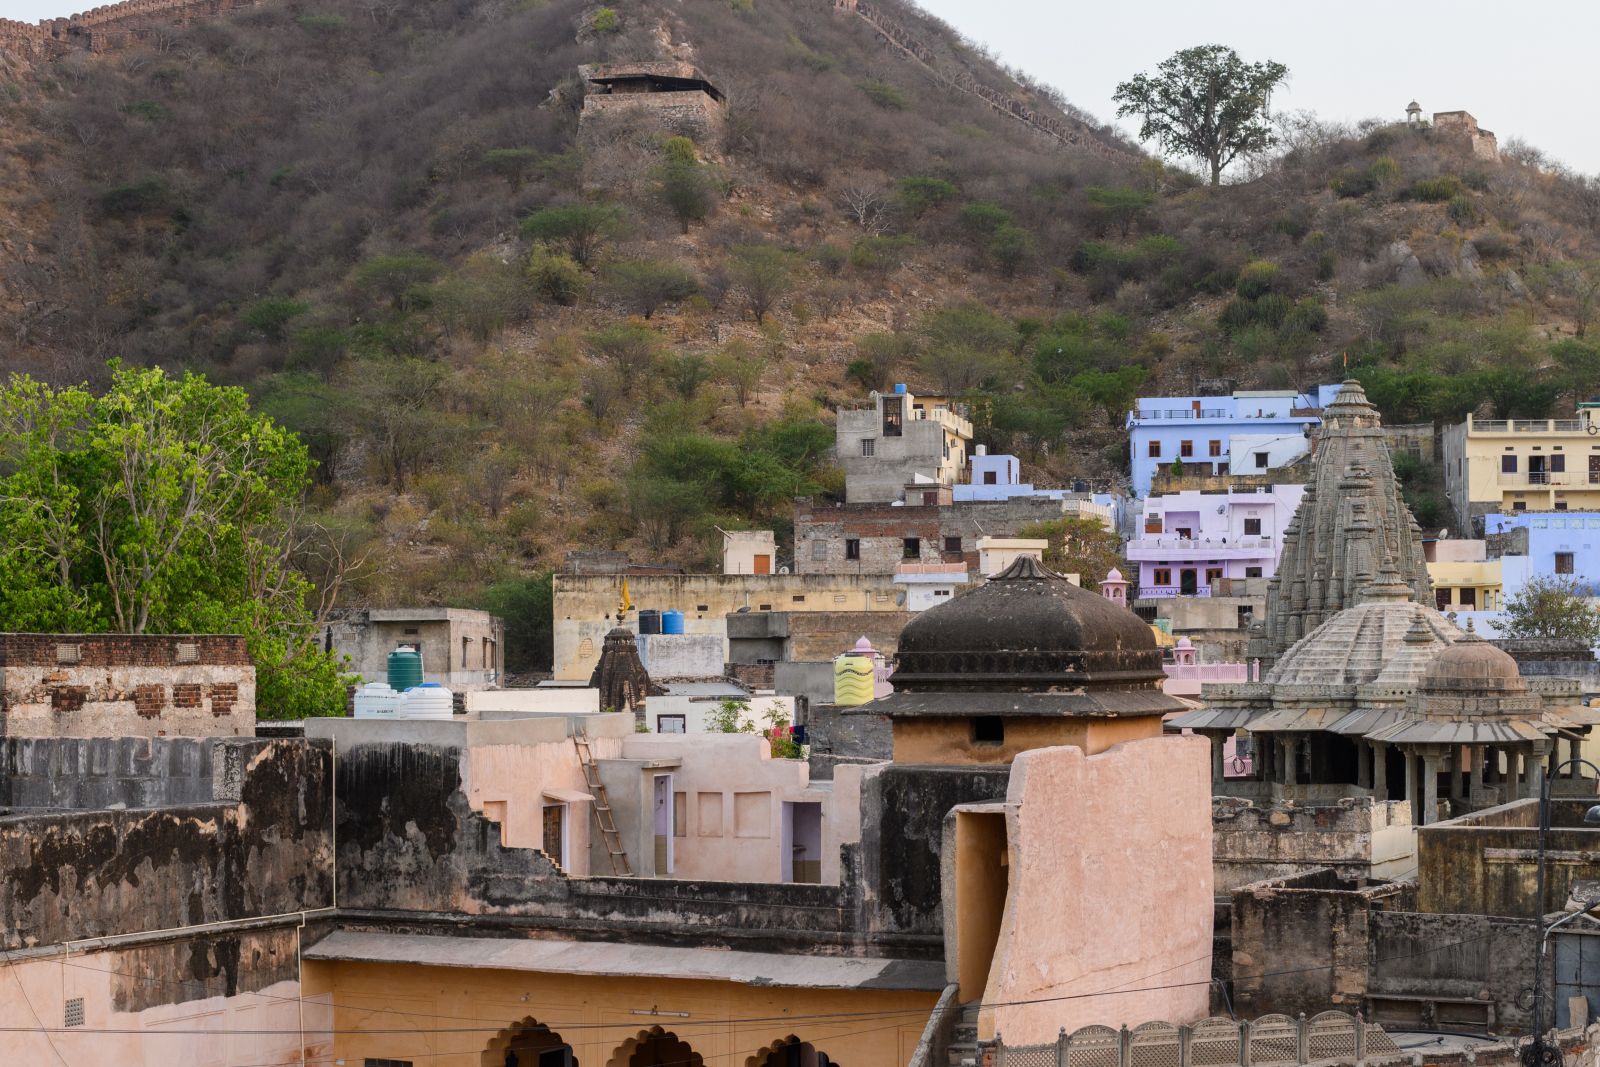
(163, 505)
(1580, 367)
(525, 604)
(686, 187)
(1206, 103)
(919, 195)
(1078, 546)
(512, 164)
(582, 229)
(741, 367)
(270, 317)
(965, 345)
(1111, 391)
(629, 347)
(1552, 607)
(397, 279)
(1119, 206)
(556, 277)
(764, 273)
(643, 286)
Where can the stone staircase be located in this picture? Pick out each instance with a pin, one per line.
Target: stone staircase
(963, 1047)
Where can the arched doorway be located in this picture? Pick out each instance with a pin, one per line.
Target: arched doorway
(790, 1052)
(528, 1043)
(656, 1047)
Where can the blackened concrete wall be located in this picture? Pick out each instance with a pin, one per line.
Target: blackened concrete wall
(75, 875)
(79, 774)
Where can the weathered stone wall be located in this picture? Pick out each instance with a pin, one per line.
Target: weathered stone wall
(1484, 863)
(104, 772)
(1467, 957)
(126, 685)
(1357, 837)
(691, 113)
(69, 876)
(1301, 943)
(845, 734)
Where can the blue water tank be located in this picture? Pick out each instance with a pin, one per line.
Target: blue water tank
(672, 622)
(899, 387)
(649, 621)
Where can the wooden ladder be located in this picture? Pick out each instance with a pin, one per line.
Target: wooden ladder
(603, 816)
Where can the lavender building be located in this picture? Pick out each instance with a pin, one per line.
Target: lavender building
(1190, 539)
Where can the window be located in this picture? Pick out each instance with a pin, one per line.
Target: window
(1561, 505)
(988, 730)
(1563, 562)
(1252, 527)
(1252, 572)
(868, 444)
(1152, 524)
(893, 413)
(1469, 598)
(1558, 463)
(371, 1062)
(1214, 448)
(1519, 505)
(1508, 464)
(1185, 449)
(1155, 450)
(952, 544)
(852, 548)
(990, 478)
(465, 643)
(1261, 461)
(798, 598)
(1161, 576)
(911, 548)
(1441, 599)
(819, 549)
(1213, 574)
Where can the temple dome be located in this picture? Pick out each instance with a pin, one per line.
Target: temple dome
(1475, 665)
(1386, 638)
(1028, 629)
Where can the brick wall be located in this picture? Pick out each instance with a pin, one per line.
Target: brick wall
(125, 685)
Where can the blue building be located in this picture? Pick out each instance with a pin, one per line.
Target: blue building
(1245, 432)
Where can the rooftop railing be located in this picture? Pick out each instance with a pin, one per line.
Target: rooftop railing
(1475, 425)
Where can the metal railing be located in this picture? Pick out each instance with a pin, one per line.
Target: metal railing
(1184, 413)
(1191, 544)
(1525, 425)
(1332, 1037)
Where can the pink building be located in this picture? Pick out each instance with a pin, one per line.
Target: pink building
(1190, 539)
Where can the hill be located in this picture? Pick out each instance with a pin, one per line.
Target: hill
(509, 331)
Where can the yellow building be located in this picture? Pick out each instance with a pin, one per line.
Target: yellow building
(1466, 586)
(1523, 465)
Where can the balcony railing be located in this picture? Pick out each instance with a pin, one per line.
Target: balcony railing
(1200, 544)
(1557, 478)
(1525, 425)
(1184, 413)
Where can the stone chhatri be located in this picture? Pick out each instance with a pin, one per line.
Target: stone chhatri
(1351, 517)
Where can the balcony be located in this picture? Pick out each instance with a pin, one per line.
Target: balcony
(944, 417)
(1160, 414)
(1525, 425)
(1559, 479)
(1156, 548)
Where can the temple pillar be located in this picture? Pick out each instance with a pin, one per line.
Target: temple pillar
(1534, 786)
(1430, 789)
(1474, 771)
(1414, 787)
(1380, 770)
(1217, 742)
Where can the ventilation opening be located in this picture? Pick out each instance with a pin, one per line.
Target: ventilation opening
(188, 652)
(74, 1012)
(988, 730)
(69, 653)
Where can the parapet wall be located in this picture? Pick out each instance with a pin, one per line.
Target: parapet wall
(109, 28)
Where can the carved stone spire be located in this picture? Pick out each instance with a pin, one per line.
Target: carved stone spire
(1351, 517)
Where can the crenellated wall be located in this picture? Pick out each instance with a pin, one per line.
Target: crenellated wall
(108, 28)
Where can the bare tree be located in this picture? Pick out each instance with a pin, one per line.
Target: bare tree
(866, 201)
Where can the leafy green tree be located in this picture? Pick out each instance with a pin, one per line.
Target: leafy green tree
(163, 505)
(1118, 206)
(556, 277)
(881, 353)
(1580, 367)
(1078, 546)
(741, 367)
(764, 273)
(397, 279)
(525, 604)
(965, 345)
(1111, 391)
(686, 187)
(581, 229)
(397, 403)
(1010, 246)
(919, 195)
(270, 317)
(687, 372)
(1552, 607)
(512, 164)
(480, 298)
(644, 286)
(629, 347)
(1206, 103)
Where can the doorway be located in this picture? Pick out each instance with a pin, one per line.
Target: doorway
(982, 881)
(800, 843)
(555, 834)
(1187, 583)
(663, 824)
(658, 1049)
(528, 1043)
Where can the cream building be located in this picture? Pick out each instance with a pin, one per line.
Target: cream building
(1523, 465)
(1463, 579)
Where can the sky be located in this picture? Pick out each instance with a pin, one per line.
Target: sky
(1523, 70)
(1520, 68)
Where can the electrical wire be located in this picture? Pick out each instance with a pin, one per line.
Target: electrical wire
(23, 989)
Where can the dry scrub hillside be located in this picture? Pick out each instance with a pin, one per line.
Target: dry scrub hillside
(505, 340)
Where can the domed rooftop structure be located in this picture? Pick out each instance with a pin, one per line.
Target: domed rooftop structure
(1386, 637)
(1027, 629)
(1473, 665)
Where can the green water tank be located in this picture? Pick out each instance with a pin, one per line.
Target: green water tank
(405, 669)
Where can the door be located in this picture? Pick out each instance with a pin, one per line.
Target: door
(763, 564)
(1187, 583)
(800, 842)
(1577, 967)
(1594, 470)
(555, 834)
(1536, 471)
(663, 823)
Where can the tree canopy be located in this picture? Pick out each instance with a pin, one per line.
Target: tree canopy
(163, 505)
(1552, 607)
(1205, 102)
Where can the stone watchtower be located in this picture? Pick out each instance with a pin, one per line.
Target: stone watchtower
(665, 95)
(1351, 519)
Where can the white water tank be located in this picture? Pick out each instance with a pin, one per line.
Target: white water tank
(430, 700)
(376, 700)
